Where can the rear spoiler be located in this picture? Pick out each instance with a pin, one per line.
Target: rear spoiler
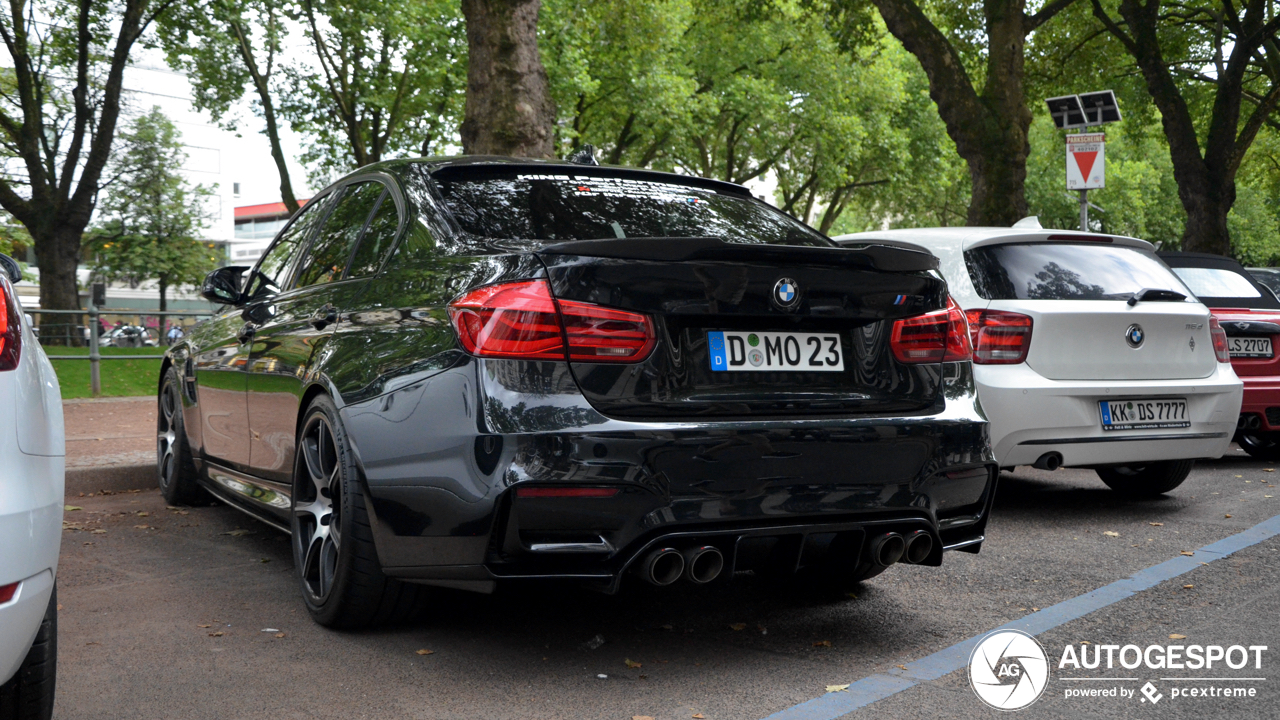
(876, 255)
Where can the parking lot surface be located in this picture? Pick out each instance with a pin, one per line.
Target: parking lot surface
(194, 613)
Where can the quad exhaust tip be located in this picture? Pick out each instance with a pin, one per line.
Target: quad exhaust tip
(663, 566)
(703, 564)
(887, 549)
(1249, 421)
(919, 546)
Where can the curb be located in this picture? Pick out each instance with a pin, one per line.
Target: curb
(113, 478)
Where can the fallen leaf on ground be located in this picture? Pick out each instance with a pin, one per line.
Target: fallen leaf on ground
(822, 643)
(1188, 553)
(641, 717)
(1156, 524)
(204, 626)
(99, 531)
(140, 527)
(697, 716)
(59, 606)
(903, 667)
(270, 629)
(1177, 636)
(1110, 533)
(264, 560)
(1187, 587)
(1227, 515)
(838, 688)
(216, 634)
(1269, 470)
(144, 514)
(280, 635)
(1035, 609)
(425, 651)
(737, 626)
(1085, 642)
(631, 663)
(236, 533)
(69, 508)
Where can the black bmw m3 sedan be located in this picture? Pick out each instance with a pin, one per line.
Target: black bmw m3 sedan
(460, 372)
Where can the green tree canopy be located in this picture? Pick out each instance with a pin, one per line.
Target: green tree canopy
(148, 226)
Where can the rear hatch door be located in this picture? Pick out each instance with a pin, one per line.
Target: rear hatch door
(1087, 322)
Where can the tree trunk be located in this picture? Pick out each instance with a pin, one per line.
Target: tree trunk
(508, 108)
(990, 128)
(57, 255)
(1207, 204)
(164, 290)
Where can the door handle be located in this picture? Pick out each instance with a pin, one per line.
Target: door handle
(246, 333)
(324, 315)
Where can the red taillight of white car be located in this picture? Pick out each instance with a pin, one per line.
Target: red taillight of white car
(1219, 337)
(521, 320)
(939, 336)
(999, 337)
(10, 328)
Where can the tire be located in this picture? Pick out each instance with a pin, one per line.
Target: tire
(175, 468)
(29, 694)
(1261, 445)
(338, 570)
(1147, 480)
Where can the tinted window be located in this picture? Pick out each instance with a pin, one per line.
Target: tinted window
(1042, 271)
(377, 239)
(327, 258)
(274, 268)
(510, 204)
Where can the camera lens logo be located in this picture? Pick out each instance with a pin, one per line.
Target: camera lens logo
(1008, 670)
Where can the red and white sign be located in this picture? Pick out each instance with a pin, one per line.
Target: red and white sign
(1086, 161)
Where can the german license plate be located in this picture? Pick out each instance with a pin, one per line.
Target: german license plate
(1249, 347)
(774, 351)
(1144, 413)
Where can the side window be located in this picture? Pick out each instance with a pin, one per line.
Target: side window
(377, 239)
(274, 267)
(327, 257)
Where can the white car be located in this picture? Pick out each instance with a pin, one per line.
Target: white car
(1088, 352)
(32, 446)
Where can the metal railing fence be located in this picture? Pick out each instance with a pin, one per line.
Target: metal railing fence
(91, 332)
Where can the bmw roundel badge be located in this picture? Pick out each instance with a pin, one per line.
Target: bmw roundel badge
(1134, 335)
(786, 293)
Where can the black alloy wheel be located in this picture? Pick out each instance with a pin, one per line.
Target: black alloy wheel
(175, 468)
(1261, 445)
(342, 581)
(1147, 480)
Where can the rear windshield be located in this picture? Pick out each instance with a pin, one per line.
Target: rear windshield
(559, 207)
(1046, 271)
(1222, 287)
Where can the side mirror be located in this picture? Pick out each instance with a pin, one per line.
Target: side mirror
(11, 268)
(222, 286)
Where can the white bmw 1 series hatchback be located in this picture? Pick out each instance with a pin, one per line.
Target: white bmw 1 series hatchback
(31, 496)
(1088, 352)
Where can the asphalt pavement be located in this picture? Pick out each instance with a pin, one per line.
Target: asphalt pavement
(194, 613)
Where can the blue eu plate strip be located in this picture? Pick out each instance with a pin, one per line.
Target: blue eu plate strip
(715, 343)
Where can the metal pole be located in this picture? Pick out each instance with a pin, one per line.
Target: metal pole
(1084, 210)
(95, 379)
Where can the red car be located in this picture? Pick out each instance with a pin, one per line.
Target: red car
(1250, 314)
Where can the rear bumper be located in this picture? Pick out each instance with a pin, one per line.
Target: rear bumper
(20, 620)
(1031, 416)
(1260, 395)
(448, 509)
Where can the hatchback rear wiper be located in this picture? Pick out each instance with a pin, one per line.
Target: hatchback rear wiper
(1155, 295)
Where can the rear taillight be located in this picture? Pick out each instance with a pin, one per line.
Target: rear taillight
(1219, 337)
(7, 592)
(939, 336)
(10, 328)
(522, 320)
(999, 337)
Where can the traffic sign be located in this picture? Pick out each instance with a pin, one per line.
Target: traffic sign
(1086, 161)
